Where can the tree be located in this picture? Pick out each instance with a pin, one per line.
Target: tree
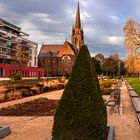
(22, 56)
(132, 44)
(81, 113)
(132, 36)
(129, 64)
(15, 77)
(132, 64)
(97, 65)
(110, 66)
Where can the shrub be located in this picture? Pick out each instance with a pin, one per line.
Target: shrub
(81, 113)
(2, 97)
(107, 91)
(63, 78)
(45, 88)
(26, 92)
(41, 99)
(15, 77)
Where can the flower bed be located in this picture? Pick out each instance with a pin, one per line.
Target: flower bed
(107, 86)
(38, 107)
(29, 88)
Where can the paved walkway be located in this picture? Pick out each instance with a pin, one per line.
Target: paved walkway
(39, 128)
(50, 95)
(126, 123)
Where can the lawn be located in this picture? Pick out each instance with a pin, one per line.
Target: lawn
(135, 83)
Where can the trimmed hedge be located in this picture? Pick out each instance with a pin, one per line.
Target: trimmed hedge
(81, 113)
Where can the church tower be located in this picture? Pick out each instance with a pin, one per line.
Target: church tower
(77, 31)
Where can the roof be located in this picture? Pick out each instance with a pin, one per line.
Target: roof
(73, 47)
(9, 24)
(51, 50)
(67, 49)
(48, 54)
(45, 49)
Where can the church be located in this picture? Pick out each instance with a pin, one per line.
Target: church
(58, 59)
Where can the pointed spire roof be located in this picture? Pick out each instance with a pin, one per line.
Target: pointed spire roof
(78, 20)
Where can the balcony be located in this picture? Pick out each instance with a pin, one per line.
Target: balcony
(4, 38)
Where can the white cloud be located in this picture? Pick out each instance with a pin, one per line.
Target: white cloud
(105, 40)
(44, 17)
(29, 27)
(92, 54)
(84, 3)
(112, 40)
(115, 40)
(114, 18)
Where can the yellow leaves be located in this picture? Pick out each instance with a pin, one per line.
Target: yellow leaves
(132, 64)
(132, 43)
(132, 36)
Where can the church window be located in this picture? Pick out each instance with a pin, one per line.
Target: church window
(66, 59)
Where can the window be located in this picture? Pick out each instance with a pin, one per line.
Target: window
(66, 59)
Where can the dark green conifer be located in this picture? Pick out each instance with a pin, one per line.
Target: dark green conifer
(81, 113)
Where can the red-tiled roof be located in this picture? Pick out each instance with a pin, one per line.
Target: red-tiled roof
(67, 48)
(51, 48)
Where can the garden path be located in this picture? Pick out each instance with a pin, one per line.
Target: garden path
(126, 123)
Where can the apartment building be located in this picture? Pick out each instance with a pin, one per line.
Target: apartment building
(16, 50)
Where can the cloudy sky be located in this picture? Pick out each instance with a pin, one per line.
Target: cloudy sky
(50, 21)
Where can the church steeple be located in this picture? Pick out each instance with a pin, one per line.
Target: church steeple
(77, 31)
(78, 20)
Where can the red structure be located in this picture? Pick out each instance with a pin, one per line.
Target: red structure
(6, 70)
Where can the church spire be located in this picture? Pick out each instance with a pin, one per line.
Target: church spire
(78, 20)
(77, 31)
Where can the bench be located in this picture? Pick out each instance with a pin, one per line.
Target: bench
(114, 100)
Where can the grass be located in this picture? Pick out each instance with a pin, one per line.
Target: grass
(135, 83)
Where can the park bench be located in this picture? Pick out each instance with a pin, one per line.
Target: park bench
(114, 100)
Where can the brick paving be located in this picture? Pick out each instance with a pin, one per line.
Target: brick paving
(39, 128)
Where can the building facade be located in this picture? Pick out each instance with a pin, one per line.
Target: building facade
(58, 59)
(15, 48)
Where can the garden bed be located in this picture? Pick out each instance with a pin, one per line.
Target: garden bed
(38, 107)
(25, 89)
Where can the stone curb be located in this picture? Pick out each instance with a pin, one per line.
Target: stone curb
(4, 131)
(133, 93)
(111, 133)
(130, 88)
(135, 101)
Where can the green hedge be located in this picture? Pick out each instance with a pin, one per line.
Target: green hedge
(81, 113)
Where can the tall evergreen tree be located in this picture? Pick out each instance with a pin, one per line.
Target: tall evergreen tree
(81, 113)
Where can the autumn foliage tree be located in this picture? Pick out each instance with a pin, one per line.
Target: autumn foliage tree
(132, 44)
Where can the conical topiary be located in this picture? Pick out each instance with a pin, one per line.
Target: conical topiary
(81, 113)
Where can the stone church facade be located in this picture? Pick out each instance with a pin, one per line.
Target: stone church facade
(58, 59)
